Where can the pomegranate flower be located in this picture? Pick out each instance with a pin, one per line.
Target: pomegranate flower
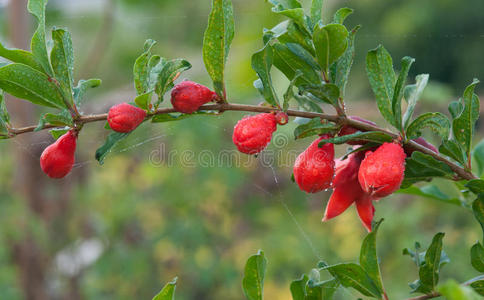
(347, 190)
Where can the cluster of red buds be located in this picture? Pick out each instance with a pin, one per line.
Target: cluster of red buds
(361, 178)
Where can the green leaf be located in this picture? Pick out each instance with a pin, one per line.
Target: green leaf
(451, 290)
(164, 74)
(253, 282)
(62, 58)
(463, 125)
(455, 108)
(58, 132)
(141, 69)
(4, 116)
(432, 192)
(63, 118)
(298, 288)
(20, 56)
(453, 150)
(370, 136)
(289, 63)
(112, 139)
(288, 32)
(289, 94)
(412, 94)
(82, 87)
(316, 11)
(216, 42)
(340, 70)
(369, 258)
(418, 256)
(286, 4)
(26, 83)
(379, 67)
(303, 54)
(478, 154)
(295, 14)
(478, 210)
(321, 290)
(38, 44)
(476, 186)
(330, 42)
(422, 167)
(478, 286)
(262, 64)
(168, 291)
(353, 275)
(308, 103)
(367, 146)
(398, 91)
(477, 257)
(341, 15)
(162, 118)
(153, 63)
(144, 100)
(328, 93)
(314, 127)
(437, 122)
(429, 270)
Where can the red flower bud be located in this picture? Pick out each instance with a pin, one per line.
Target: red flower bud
(381, 172)
(253, 133)
(347, 130)
(366, 210)
(314, 168)
(57, 160)
(125, 117)
(421, 141)
(347, 190)
(282, 118)
(188, 96)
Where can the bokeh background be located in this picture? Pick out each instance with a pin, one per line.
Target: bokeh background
(160, 208)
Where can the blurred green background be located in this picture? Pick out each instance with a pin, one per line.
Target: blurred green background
(159, 208)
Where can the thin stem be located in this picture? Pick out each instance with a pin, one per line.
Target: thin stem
(461, 172)
(325, 78)
(469, 161)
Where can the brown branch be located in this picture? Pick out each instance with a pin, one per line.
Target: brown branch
(461, 172)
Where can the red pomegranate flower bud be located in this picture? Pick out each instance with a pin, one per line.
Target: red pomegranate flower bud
(421, 141)
(366, 210)
(57, 160)
(282, 118)
(253, 133)
(188, 96)
(347, 130)
(125, 117)
(347, 190)
(381, 172)
(314, 168)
